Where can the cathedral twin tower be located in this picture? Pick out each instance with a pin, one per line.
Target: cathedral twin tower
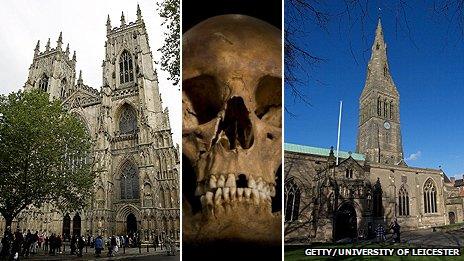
(135, 161)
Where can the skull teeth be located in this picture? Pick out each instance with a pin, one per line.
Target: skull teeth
(223, 189)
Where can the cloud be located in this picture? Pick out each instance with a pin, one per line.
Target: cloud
(414, 156)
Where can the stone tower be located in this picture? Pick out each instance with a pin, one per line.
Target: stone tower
(52, 70)
(379, 132)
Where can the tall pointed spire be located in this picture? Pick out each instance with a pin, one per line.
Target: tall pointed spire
(378, 73)
(47, 47)
(59, 42)
(123, 19)
(139, 13)
(80, 81)
(37, 48)
(379, 134)
(67, 50)
(108, 24)
(74, 56)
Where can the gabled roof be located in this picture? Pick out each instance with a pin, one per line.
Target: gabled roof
(303, 149)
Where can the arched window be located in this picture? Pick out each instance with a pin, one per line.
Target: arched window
(430, 197)
(129, 181)
(292, 201)
(63, 88)
(127, 120)
(126, 71)
(403, 202)
(43, 83)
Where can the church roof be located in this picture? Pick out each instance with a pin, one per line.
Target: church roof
(290, 147)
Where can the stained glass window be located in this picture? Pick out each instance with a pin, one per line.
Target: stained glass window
(129, 182)
(430, 197)
(43, 84)
(127, 121)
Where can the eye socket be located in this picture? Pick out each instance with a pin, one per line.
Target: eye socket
(268, 96)
(203, 97)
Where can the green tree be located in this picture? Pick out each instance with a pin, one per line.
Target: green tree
(44, 154)
(169, 10)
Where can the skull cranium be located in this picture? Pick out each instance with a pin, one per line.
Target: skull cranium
(232, 130)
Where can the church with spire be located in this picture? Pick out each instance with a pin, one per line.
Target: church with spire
(135, 161)
(329, 200)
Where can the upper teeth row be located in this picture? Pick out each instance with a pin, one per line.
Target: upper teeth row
(221, 182)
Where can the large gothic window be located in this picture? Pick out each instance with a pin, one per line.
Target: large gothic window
(292, 201)
(403, 202)
(127, 120)
(430, 197)
(126, 71)
(43, 83)
(129, 182)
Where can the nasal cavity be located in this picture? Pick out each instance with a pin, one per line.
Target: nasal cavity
(242, 181)
(237, 124)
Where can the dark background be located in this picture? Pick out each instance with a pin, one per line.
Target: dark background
(193, 12)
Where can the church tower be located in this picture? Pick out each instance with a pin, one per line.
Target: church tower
(52, 70)
(379, 132)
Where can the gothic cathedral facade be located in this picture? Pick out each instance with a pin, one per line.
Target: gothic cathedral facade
(136, 162)
(326, 200)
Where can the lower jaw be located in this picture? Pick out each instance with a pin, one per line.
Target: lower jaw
(233, 222)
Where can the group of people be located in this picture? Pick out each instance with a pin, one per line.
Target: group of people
(381, 232)
(19, 244)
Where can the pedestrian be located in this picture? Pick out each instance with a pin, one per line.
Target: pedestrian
(155, 241)
(80, 245)
(396, 231)
(380, 231)
(16, 247)
(6, 243)
(73, 244)
(59, 243)
(98, 246)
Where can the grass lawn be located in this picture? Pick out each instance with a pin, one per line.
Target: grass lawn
(298, 253)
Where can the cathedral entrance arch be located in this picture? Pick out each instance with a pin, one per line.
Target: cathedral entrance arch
(77, 224)
(345, 222)
(452, 217)
(128, 220)
(66, 226)
(131, 224)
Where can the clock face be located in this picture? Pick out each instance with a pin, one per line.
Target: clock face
(386, 125)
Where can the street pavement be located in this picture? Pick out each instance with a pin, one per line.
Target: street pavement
(131, 254)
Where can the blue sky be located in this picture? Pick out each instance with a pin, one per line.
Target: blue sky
(427, 66)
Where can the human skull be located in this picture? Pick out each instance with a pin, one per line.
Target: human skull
(232, 131)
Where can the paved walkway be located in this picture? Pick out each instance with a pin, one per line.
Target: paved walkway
(429, 238)
(90, 255)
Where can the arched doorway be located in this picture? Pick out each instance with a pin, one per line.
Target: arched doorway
(452, 217)
(131, 224)
(77, 225)
(66, 226)
(345, 222)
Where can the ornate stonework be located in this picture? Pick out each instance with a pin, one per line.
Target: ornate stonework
(136, 162)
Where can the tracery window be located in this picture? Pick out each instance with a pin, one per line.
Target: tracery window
(430, 197)
(391, 109)
(126, 71)
(43, 84)
(129, 182)
(127, 120)
(403, 202)
(63, 88)
(292, 201)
